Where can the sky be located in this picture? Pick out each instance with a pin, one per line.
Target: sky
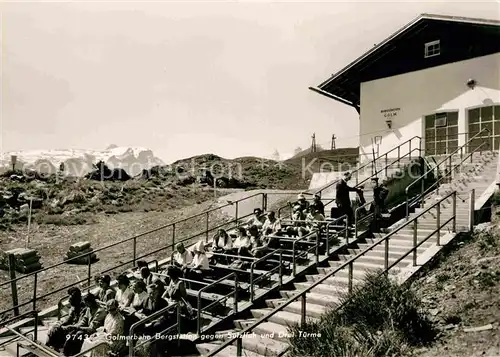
(186, 78)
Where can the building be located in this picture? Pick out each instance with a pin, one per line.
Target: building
(438, 78)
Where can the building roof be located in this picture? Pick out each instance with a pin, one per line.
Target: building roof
(344, 86)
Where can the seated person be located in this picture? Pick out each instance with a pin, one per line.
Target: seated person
(124, 294)
(140, 295)
(152, 304)
(299, 226)
(92, 318)
(176, 291)
(242, 244)
(112, 333)
(137, 270)
(259, 245)
(272, 225)
(257, 219)
(146, 276)
(57, 333)
(317, 204)
(199, 266)
(222, 242)
(182, 257)
(105, 292)
(301, 202)
(316, 222)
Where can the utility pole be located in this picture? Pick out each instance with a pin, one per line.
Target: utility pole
(313, 145)
(333, 141)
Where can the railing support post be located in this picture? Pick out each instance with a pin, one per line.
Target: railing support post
(399, 156)
(350, 274)
(235, 293)
(251, 281)
(454, 228)
(13, 284)
(386, 255)
(206, 228)
(89, 271)
(239, 347)
(236, 215)
(173, 237)
(317, 246)
(415, 242)
(472, 200)
(386, 164)
(438, 223)
(303, 311)
(35, 283)
(134, 249)
(281, 268)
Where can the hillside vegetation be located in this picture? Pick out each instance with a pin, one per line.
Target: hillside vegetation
(64, 200)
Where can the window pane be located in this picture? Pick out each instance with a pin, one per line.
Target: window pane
(497, 142)
(474, 144)
(486, 113)
(441, 148)
(430, 134)
(497, 112)
(453, 118)
(474, 115)
(452, 131)
(452, 146)
(497, 127)
(429, 121)
(440, 134)
(473, 129)
(488, 126)
(430, 148)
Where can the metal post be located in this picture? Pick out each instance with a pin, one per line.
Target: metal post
(438, 223)
(206, 228)
(317, 246)
(235, 293)
(35, 332)
(198, 315)
(472, 201)
(454, 229)
(386, 164)
(449, 168)
(399, 156)
(386, 255)
(346, 232)
(415, 242)
(281, 268)
(351, 268)
(35, 283)
(461, 153)
(303, 311)
(264, 208)
(173, 236)
(251, 281)
(409, 144)
(89, 271)
(29, 223)
(236, 214)
(13, 283)
(239, 347)
(134, 251)
(179, 327)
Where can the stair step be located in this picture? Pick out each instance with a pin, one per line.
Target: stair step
(284, 318)
(313, 297)
(322, 289)
(229, 351)
(334, 281)
(269, 329)
(312, 310)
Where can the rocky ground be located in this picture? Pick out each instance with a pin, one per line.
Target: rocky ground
(462, 294)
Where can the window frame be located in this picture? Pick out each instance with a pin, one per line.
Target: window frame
(432, 49)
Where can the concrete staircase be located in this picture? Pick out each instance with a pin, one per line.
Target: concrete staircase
(270, 338)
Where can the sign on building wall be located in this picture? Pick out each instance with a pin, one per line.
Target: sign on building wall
(390, 113)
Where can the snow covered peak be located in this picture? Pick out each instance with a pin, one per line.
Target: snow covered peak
(78, 162)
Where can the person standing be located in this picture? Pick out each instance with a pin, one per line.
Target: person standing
(380, 193)
(342, 198)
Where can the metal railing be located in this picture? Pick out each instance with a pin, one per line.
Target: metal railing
(446, 162)
(34, 314)
(170, 244)
(254, 280)
(34, 343)
(350, 265)
(225, 297)
(153, 316)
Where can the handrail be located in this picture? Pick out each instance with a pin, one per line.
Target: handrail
(372, 162)
(182, 279)
(448, 173)
(302, 294)
(346, 230)
(294, 255)
(40, 346)
(447, 158)
(149, 318)
(199, 309)
(356, 216)
(89, 275)
(254, 263)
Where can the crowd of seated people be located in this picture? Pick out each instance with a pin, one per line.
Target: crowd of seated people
(110, 312)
